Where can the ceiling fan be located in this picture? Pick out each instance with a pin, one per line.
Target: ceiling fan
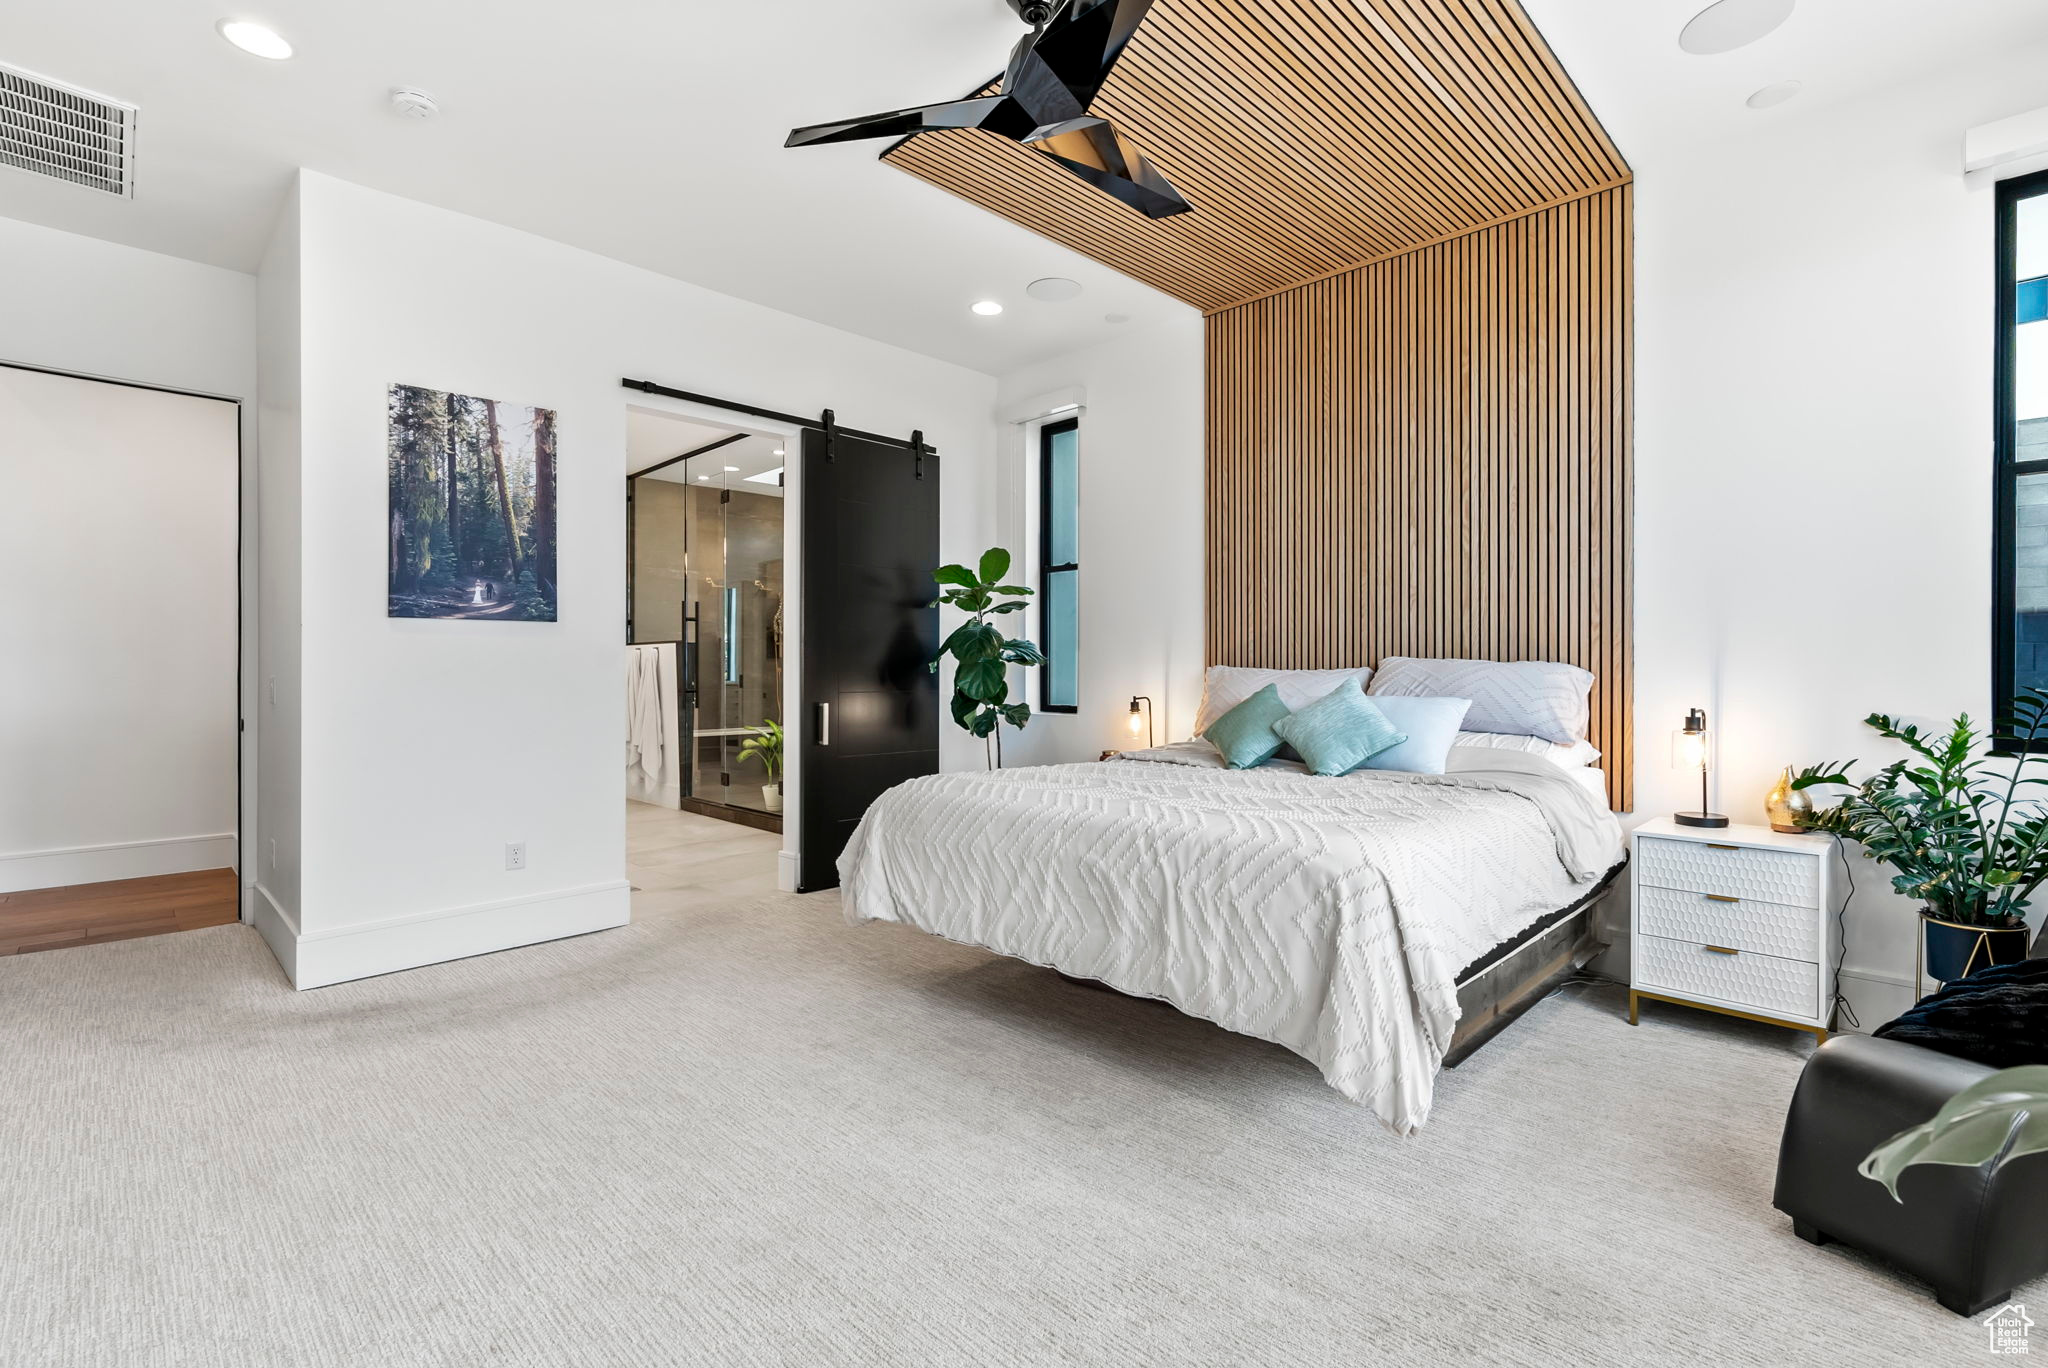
(1055, 73)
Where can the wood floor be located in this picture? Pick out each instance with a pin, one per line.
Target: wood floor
(85, 914)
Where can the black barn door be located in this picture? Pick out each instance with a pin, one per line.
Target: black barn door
(871, 707)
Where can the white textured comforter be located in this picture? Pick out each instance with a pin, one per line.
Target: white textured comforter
(1328, 915)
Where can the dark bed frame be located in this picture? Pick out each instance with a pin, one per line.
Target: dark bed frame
(1515, 975)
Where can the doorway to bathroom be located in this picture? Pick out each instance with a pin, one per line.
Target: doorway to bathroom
(705, 620)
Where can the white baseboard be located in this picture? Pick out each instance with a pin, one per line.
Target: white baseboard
(122, 860)
(786, 869)
(316, 959)
(1875, 996)
(278, 930)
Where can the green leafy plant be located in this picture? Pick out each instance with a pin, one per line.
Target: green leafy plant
(1993, 1121)
(765, 745)
(982, 655)
(1951, 819)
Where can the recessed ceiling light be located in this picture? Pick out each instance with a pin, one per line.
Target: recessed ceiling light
(767, 477)
(778, 451)
(1731, 24)
(1773, 95)
(1053, 289)
(729, 469)
(703, 477)
(255, 39)
(988, 308)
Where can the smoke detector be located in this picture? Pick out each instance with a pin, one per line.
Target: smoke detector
(408, 103)
(66, 133)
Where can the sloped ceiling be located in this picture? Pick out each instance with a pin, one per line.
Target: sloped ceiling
(1310, 135)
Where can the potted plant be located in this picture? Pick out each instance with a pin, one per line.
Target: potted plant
(982, 654)
(1954, 824)
(765, 745)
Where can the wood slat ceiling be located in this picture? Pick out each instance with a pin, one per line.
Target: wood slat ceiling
(1312, 136)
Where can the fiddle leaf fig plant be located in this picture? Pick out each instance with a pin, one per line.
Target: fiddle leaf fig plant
(1993, 1121)
(982, 655)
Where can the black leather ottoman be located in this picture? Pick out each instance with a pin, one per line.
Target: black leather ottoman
(1974, 1235)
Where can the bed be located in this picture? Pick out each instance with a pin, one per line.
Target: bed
(1378, 923)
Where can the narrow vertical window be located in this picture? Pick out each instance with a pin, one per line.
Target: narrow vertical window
(2020, 527)
(1059, 555)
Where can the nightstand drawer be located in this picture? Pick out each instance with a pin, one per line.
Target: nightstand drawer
(1764, 983)
(1772, 876)
(1739, 923)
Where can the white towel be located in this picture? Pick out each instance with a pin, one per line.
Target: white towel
(643, 713)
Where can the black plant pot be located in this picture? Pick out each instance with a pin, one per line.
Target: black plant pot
(1957, 949)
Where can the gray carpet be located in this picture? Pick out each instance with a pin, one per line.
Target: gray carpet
(740, 1132)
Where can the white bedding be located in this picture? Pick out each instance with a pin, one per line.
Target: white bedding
(1328, 915)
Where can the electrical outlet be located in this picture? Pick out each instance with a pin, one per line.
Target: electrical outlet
(273, 691)
(515, 855)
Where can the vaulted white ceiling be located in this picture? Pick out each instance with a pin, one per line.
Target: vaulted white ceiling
(1651, 96)
(651, 131)
(646, 130)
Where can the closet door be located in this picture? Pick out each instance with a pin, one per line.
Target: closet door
(870, 720)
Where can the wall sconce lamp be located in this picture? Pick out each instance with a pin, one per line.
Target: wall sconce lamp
(1135, 723)
(1689, 751)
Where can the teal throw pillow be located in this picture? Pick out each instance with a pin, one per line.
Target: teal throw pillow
(1339, 731)
(1245, 734)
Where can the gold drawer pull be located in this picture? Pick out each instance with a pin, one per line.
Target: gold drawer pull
(1711, 846)
(1719, 897)
(1719, 950)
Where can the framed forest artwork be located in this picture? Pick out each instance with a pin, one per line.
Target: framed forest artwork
(472, 507)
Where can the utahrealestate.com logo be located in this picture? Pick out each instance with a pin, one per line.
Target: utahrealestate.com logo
(2007, 1327)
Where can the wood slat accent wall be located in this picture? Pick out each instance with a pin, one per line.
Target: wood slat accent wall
(1310, 135)
(1431, 456)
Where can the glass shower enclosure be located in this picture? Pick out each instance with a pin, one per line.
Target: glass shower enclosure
(705, 556)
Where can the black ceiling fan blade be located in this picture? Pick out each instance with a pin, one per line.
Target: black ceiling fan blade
(1094, 151)
(1084, 41)
(897, 123)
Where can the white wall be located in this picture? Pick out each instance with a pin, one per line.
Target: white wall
(1813, 464)
(78, 304)
(117, 684)
(1140, 531)
(276, 700)
(428, 746)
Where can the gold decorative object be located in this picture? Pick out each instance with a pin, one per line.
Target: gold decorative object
(1787, 808)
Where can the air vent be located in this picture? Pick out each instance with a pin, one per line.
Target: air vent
(65, 133)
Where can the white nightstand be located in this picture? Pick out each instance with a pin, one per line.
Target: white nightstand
(1735, 919)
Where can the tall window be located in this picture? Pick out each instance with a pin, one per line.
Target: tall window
(1059, 559)
(2020, 527)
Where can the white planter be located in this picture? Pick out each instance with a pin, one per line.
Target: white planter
(771, 797)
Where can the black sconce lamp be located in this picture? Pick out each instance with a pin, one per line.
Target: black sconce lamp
(1136, 699)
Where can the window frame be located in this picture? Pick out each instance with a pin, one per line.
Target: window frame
(1046, 569)
(2007, 468)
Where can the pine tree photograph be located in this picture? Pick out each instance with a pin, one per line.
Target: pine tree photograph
(472, 507)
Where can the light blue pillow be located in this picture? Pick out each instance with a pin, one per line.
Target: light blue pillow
(1245, 734)
(1339, 731)
(1432, 727)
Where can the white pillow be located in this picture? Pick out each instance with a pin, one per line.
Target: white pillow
(1229, 685)
(1525, 698)
(1579, 753)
